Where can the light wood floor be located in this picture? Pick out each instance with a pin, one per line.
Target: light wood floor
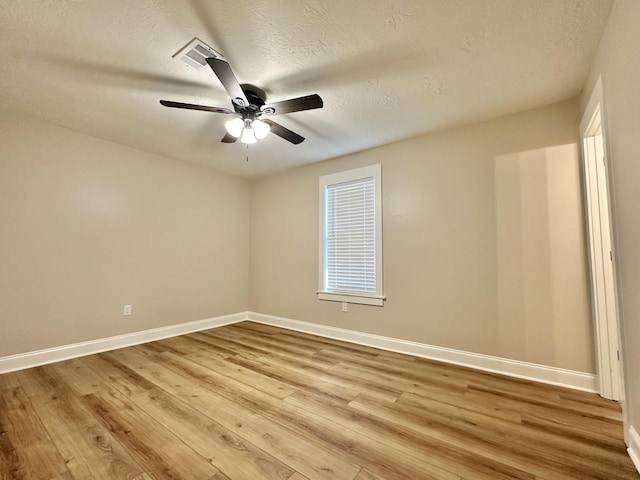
(251, 402)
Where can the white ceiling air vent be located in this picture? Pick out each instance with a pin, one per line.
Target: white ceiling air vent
(195, 54)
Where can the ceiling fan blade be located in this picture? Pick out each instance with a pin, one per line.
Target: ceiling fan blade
(308, 102)
(284, 132)
(190, 106)
(223, 71)
(228, 138)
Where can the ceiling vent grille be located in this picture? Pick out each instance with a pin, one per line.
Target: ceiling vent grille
(195, 54)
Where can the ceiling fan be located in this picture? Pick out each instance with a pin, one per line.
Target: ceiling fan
(251, 122)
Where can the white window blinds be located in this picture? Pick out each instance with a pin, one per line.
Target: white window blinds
(351, 237)
(350, 263)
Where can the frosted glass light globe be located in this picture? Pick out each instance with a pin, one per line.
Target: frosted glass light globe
(248, 135)
(234, 127)
(261, 129)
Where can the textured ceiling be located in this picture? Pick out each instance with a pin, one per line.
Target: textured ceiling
(386, 69)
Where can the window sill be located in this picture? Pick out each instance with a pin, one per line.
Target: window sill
(376, 300)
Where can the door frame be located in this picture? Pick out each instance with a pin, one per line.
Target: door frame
(604, 296)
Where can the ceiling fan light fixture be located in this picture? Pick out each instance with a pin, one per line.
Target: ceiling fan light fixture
(234, 127)
(260, 128)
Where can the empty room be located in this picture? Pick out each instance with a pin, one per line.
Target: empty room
(319, 240)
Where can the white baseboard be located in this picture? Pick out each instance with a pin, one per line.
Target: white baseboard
(50, 355)
(514, 368)
(634, 447)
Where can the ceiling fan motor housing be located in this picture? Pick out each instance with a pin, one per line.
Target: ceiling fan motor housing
(256, 97)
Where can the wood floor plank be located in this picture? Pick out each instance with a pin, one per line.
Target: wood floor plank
(165, 370)
(89, 450)
(298, 380)
(245, 433)
(361, 449)
(161, 454)
(341, 377)
(598, 411)
(275, 350)
(523, 393)
(532, 439)
(26, 450)
(571, 427)
(302, 454)
(447, 457)
(206, 376)
(232, 454)
(294, 336)
(257, 327)
(79, 376)
(372, 384)
(367, 475)
(250, 401)
(527, 450)
(9, 381)
(329, 358)
(579, 396)
(218, 341)
(116, 375)
(442, 401)
(222, 405)
(582, 427)
(269, 343)
(287, 337)
(247, 376)
(596, 428)
(192, 343)
(419, 373)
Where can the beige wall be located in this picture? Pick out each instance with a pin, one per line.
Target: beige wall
(87, 226)
(618, 63)
(541, 263)
(483, 242)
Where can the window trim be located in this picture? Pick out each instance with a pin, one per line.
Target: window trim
(377, 298)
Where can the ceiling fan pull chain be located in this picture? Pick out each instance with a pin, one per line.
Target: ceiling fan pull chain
(247, 153)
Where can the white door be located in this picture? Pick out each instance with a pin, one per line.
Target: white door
(604, 297)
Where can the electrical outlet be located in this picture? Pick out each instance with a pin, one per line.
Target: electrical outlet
(127, 310)
(345, 306)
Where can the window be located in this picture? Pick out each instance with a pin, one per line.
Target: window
(350, 268)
